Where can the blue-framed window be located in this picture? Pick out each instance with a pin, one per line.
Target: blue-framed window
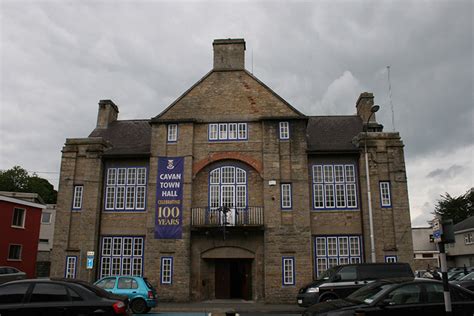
(385, 196)
(70, 269)
(330, 251)
(121, 255)
(172, 133)
(288, 270)
(391, 259)
(334, 186)
(125, 189)
(227, 132)
(166, 274)
(285, 195)
(284, 130)
(77, 197)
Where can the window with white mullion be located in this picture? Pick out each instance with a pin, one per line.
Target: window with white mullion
(121, 176)
(105, 267)
(121, 256)
(140, 198)
(214, 177)
(227, 175)
(340, 250)
(328, 173)
(340, 196)
(321, 264)
(241, 176)
(329, 195)
(332, 246)
(339, 173)
(137, 266)
(131, 176)
(385, 199)
(317, 174)
(172, 132)
(141, 176)
(284, 130)
(213, 131)
(222, 131)
(285, 195)
(318, 193)
(227, 196)
(241, 197)
(130, 204)
(214, 196)
(351, 195)
(70, 267)
(77, 199)
(232, 131)
(166, 270)
(127, 246)
(109, 198)
(343, 246)
(355, 246)
(138, 246)
(320, 246)
(350, 173)
(126, 266)
(117, 246)
(288, 270)
(107, 246)
(120, 198)
(111, 176)
(116, 266)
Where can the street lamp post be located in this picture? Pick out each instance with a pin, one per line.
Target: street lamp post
(373, 109)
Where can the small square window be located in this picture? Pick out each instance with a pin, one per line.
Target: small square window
(172, 133)
(18, 217)
(46, 218)
(284, 130)
(14, 252)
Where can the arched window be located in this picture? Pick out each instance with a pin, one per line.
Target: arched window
(228, 187)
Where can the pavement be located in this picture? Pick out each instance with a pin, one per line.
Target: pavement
(225, 308)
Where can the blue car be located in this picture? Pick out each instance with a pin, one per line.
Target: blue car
(141, 294)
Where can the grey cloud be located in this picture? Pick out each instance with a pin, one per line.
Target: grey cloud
(448, 173)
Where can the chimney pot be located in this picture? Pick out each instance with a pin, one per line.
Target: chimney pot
(108, 112)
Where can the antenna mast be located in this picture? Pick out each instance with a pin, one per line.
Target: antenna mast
(390, 97)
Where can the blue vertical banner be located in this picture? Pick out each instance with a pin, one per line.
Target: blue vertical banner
(169, 198)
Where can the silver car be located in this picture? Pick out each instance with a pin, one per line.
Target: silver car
(8, 274)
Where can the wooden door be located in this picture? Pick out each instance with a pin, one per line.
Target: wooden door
(222, 279)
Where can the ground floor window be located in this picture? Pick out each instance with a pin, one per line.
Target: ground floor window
(390, 258)
(121, 255)
(166, 270)
(288, 270)
(330, 251)
(70, 272)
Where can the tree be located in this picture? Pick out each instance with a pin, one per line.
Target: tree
(456, 208)
(17, 179)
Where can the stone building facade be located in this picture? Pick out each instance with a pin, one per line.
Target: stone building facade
(264, 198)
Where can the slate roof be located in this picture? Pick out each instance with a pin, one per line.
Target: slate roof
(333, 133)
(128, 137)
(468, 223)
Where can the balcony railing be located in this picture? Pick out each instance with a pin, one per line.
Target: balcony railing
(249, 216)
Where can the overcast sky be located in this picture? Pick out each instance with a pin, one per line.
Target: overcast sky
(59, 58)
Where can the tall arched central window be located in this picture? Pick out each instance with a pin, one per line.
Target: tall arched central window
(228, 187)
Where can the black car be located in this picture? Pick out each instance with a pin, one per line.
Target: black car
(340, 281)
(467, 281)
(398, 297)
(59, 297)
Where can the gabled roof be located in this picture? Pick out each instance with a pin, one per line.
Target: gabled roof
(128, 137)
(21, 202)
(165, 112)
(333, 133)
(466, 224)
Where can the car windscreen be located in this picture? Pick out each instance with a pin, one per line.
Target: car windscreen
(326, 275)
(96, 290)
(369, 293)
(468, 277)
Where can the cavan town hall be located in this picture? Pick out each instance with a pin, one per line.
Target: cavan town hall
(230, 192)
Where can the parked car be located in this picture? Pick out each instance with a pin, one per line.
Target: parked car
(467, 281)
(59, 297)
(340, 281)
(398, 297)
(141, 294)
(8, 274)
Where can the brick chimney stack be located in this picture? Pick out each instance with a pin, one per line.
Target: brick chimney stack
(108, 112)
(229, 54)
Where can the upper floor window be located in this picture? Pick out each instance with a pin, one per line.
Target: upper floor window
(385, 198)
(391, 259)
(334, 187)
(77, 199)
(286, 196)
(46, 218)
(18, 217)
(284, 130)
(172, 133)
(125, 189)
(227, 131)
(469, 238)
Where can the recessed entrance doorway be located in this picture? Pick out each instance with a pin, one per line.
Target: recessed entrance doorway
(233, 279)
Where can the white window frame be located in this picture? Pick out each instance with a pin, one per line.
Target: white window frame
(23, 217)
(49, 219)
(385, 196)
(70, 269)
(391, 259)
(232, 131)
(172, 133)
(331, 250)
(288, 271)
(77, 198)
(125, 189)
(121, 255)
(223, 131)
(213, 132)
(166, 271)
(284, 130)
(286, 196)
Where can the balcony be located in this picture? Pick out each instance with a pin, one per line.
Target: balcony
(235, 217)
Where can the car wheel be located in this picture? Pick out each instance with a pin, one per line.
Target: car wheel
(148, 309)
(327, 298)
(139, 306)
